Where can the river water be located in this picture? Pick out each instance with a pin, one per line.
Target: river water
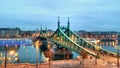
(28, 53)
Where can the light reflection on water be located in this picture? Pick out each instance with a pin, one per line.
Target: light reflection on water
(26, 54)
(110, 45)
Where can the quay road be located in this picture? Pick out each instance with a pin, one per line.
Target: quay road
(88, 63)
(105, 57)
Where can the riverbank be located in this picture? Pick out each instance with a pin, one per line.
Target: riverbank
(88, 63)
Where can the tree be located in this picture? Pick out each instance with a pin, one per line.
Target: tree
(84, 55)
(68, 56)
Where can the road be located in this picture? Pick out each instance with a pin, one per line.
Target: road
(105, 57)
(88, 63)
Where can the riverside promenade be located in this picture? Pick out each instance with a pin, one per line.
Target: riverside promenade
(88, 63)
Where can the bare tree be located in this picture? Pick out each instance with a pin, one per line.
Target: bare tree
(84, 55)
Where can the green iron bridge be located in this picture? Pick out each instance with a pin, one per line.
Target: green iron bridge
(74, 42)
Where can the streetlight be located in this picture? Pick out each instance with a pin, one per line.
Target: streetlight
(117, 48)
(118, 57)
(49, 52)
(6, 56)
(97, 48)
(64, 54)
(37, 44)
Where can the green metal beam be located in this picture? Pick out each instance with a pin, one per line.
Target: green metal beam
(72, 46)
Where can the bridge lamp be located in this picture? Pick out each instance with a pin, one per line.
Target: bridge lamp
(37, 44)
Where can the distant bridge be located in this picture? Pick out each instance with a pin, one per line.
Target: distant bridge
(15, 41)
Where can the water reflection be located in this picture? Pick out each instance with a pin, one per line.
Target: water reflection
(19, 50)
(11, 53)
(20, 54)
(27, 54)
(110, 45)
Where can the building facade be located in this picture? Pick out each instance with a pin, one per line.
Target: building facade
(108, 35)
(9, 32)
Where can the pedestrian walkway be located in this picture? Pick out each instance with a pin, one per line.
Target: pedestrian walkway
(88, 63)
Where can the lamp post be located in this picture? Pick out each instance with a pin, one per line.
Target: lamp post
(117, 48)
(64, 54)
(6, 56)
(49, 53)
(118, 57)
(97, 48)
(37, 44)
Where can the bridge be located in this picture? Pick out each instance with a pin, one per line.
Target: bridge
(15, 41)
(67, 38)
(71, 40)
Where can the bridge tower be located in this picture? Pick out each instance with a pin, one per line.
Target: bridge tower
(41, 30)
(58, 26)
(68, 27)
(46, 29)
(58, 22)
(68, 23)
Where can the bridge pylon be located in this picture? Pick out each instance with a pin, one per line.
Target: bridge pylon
(68, 23)
(58, 26)
(68, 27)
(58, 22)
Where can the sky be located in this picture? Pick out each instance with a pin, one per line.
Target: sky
(89, 15)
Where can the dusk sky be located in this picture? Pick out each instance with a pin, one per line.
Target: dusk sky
(89, 15)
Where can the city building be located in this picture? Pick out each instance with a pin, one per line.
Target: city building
(108, 35)
(9, 32)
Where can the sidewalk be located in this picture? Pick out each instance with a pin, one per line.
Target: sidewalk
(88, 63)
